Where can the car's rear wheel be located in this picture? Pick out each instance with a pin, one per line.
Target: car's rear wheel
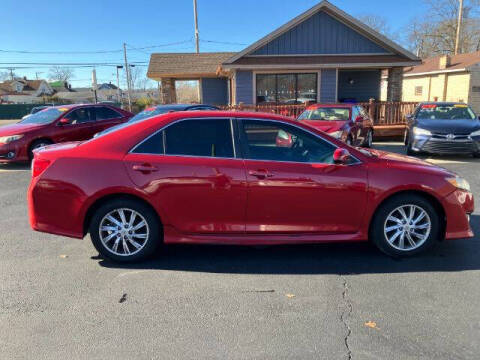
(125, 230)
(37, 144)
(405, 225)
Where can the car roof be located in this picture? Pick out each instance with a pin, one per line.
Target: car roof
(442, 103)
(180, 107)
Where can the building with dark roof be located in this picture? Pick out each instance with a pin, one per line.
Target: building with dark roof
(322, 55)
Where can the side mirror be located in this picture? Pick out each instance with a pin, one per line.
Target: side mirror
(359, 118)
(341, 156)
(64, 121)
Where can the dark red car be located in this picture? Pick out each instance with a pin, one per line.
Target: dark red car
(220, 177)
(54, 125)
(347, 122)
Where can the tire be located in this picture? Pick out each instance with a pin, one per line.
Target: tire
(381, 227)
(408, 146)
(37, 144)
(476, 155)
(130, 248)
(369, 139)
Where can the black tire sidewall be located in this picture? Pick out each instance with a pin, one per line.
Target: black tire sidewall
(377, 228)
(153, 240)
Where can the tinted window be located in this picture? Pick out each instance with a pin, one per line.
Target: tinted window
(105, 113)
(271, 140)
(153, 145)
(199, 137)
(80, 116)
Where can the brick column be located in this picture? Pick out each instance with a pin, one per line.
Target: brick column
(394, 87)
(167, 91)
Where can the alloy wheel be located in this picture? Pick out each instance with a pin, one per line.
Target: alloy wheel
(124, 232)
(407, 227)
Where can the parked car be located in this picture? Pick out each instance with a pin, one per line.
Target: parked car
(347, 122)
(56, 124)
(443, 128)
(218, 177)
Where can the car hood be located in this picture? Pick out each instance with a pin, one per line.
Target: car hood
(399, 160)
(324, 125)
(465, 126)
(18, 128)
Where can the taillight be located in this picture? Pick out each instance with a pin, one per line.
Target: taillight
(39, 166)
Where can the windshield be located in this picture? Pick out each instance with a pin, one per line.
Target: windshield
(149, 112)
(45, 116)
(326, 114)
(445, 112)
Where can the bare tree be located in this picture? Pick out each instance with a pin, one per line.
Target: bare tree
(6, 75)
(434, 33)
(58, 73)
(378, 23)
(139, 79)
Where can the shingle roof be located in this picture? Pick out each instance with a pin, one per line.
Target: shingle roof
(460, 61)
(184, 65)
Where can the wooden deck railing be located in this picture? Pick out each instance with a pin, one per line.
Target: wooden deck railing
(383, 113)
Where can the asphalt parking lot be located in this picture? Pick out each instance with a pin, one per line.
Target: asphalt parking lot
(338, 301)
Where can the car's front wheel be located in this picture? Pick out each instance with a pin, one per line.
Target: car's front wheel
(125, 230)
(405, 225)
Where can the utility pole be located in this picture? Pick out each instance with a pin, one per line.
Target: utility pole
(119, 92)
(197, 48)
(94, 84)
(127, 72)
(11, 73)
(36, 74)
(459, 26)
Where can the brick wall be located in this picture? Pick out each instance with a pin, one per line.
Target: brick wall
(394, 87)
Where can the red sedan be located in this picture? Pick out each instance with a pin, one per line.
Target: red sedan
(54, 125)
(220, 177)
(347, 122)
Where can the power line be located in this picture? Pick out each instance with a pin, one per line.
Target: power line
(60, 52)
(223, 42)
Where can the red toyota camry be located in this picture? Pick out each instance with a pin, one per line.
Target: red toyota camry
(347, 122)
(220, 177)
(56, 124)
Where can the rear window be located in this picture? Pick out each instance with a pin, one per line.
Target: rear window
(445, 112)
(326, 114)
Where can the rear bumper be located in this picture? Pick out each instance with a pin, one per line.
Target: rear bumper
(458, 207)
(59, 217)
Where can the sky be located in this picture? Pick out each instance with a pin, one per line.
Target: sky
(103, 26)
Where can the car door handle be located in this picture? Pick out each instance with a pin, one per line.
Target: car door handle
(144, 168)
(261, 174)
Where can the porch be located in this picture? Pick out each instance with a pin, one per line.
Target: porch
(389, 117)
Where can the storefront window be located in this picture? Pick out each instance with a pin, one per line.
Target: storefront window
(286, 88)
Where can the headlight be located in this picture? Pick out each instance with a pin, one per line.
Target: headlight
(336, 134)
(9, 139)
(475, 133)
(420, 131)
(459, 183)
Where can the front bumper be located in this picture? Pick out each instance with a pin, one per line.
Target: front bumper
(12, 152)
(458, 207)
(442, 144)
